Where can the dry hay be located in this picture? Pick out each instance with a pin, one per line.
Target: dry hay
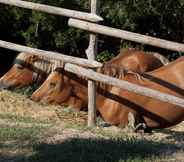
(12, 103)
(17, 104)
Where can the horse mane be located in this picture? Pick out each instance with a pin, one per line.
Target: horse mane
(41, 66)
(162, 58)
(129, 51)
(39, 63)
(48, 65)
(112, 70)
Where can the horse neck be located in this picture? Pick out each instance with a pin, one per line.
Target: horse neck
(176, 65)
(80, 84)
(160, 57)
(172, 73)
(47, 65)
(123, 54)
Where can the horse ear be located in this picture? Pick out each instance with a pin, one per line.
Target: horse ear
(34, 58)
(125, 50)
(59, 69)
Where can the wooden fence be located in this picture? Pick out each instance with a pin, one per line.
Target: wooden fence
(91, 51)
(53, 10)
(100, 29)
(94, 75)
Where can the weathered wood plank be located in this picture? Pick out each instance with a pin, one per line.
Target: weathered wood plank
(100, 29)
(91, 54)
(53, 10)
(49, 54)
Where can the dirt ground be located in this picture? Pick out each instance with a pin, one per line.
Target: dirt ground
(19, 105)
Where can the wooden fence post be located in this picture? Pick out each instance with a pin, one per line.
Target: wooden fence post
(91, 54)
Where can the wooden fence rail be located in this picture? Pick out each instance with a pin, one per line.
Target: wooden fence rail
(53, 10)
(49, 54)
(100, 29)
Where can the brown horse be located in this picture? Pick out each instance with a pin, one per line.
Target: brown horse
(130, 59)
(139, 61)
(114, 104)
(30, 68)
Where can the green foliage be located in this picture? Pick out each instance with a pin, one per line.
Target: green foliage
(163, 19)
(175, 55)
(104, 56)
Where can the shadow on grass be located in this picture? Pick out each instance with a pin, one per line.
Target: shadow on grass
(94, 150)
(177, 136)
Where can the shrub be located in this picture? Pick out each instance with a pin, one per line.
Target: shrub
(163, 19)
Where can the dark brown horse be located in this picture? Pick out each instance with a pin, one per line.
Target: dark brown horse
(30, 68)
(114, 104)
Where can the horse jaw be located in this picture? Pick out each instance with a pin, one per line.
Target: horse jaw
(16, 79)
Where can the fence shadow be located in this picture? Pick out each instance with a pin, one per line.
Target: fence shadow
(164, 83)
(98, 150)
(174, 135)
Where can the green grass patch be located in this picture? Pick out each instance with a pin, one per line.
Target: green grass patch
(14, 133)
(17, 118)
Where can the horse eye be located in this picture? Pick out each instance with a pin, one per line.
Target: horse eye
(52, 84)
(20, 66)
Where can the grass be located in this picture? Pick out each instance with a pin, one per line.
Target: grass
(98, 150)
(21, 128)
(19, 133)
(27, 147)
(17, 118)
(28, 139)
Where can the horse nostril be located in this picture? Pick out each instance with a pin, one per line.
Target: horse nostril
(52, 84)
(35, 98)
(3, 85)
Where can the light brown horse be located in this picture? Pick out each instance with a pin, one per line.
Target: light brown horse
(114, 104)
(30, 68)
(130, 59)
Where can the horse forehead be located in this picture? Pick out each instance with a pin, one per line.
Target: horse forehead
(24, 56)
(54, 76)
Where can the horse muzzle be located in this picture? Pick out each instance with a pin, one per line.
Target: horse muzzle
(6, 85)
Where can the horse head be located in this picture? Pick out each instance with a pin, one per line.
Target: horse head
(27, 68)
(59, 88)
(52, 88)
